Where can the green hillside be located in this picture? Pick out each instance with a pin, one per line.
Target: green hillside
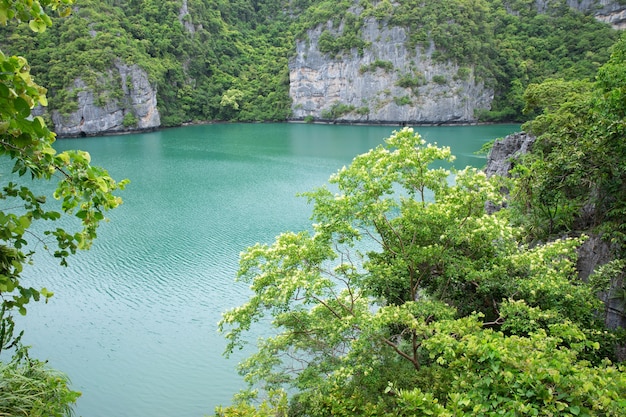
(228, 60)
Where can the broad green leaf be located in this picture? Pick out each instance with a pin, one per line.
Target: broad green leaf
(4, 15)
(4, 91)
(43, 100)
(37, 25)
(22, 107)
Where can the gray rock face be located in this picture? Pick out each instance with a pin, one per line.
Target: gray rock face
(185, 18)
(502, 157)
(444, 95)
(612, 13)
(370, 93)
(608, 11)
(97, 115)
(505, 151)
(593, 253)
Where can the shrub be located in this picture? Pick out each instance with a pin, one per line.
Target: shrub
(337, 110)
(439, 79)
(130, 119)
(402, 101)
(29, 388)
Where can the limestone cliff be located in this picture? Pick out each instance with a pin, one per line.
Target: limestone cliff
(608, 11)
(613, 13)
(127, 102)
(386, 82)
(506, 151)
(368, 88)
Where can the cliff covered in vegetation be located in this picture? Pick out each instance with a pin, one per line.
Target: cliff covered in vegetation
(386, 82)
(356, 61)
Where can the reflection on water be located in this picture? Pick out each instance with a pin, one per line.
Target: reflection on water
(133, 321)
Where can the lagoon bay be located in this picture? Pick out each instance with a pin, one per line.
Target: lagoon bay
(133, 321)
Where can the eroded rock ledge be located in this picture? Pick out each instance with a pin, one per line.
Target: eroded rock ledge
(506, 151)
(134, 109)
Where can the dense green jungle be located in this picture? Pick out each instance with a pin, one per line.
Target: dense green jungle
(447, 310)
(241, 48)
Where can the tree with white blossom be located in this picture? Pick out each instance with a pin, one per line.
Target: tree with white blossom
(407, 298)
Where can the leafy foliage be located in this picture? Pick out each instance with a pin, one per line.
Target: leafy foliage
(408, 299)
(27, 387)
(574, 178)
(384, 65)
(337, 110)
(33, 12)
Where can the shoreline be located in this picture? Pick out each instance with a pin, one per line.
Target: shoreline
(293, 121)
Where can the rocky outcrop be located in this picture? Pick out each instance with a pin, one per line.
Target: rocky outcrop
(185, 18)
(368, 87)
(502, 157)
(127, 103)
(506, 151)
(386, 82)
(608, 11)
(594, 253)
(613, 13)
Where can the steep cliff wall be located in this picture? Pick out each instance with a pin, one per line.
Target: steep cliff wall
(608, 11)
(383, 80)
(611, 12)
(127, 103)
(386, 84)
